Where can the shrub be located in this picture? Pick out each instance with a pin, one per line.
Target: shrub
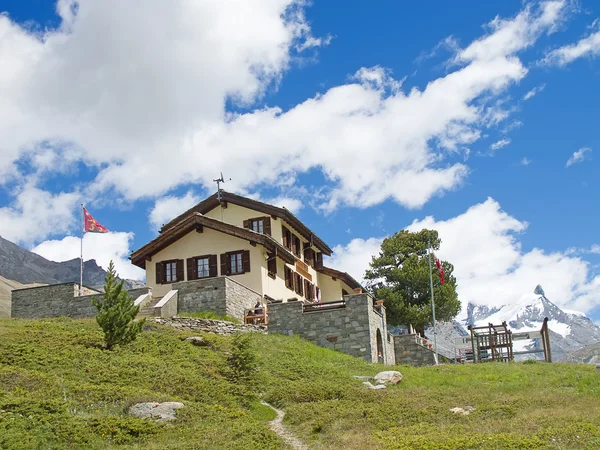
(242, 361)
(116, 312)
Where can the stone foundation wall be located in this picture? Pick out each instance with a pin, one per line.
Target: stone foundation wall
(409, 352)
(222, 295)
(57, 300)
(351, 329)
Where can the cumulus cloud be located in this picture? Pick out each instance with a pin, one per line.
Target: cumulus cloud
(532, 93)
(578, 156)
(112, 246)
(489, 263)
(588, 46)
(167, 208)
(36, 214)
(499, 144)
(147, 109)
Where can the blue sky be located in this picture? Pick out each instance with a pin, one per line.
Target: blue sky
(364, 118)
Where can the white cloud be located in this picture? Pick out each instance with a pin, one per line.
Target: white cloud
(499, 144)
(141, 93)
(167, 208)
(489, 263)
(595, 249)
(586, 47)
(37, 214)
(525, 161)
(578, 156)
(101, 247)
(294, 205)
(354, 257)
(534, 91)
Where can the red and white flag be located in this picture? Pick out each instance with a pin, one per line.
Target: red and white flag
(90, 225)
(440, 270)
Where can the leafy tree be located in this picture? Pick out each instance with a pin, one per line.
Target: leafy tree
(116, 312)
(399, 276)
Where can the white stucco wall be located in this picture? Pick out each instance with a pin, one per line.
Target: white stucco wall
(210, 242)
(332, 290)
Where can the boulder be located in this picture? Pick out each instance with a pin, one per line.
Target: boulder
(363, 378)
(388, 376)
(370, 386)
(161, 412)
(198, 341)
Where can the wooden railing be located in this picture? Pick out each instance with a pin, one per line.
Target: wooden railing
(258, 315)
(309, 307)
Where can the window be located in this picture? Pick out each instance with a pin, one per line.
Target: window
(169, 271)
(259, 224)
(235, 263)
(309, 290)
(309, 256)
(201, 267)
(289, 278)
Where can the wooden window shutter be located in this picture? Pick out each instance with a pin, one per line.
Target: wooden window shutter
(212, 266)
(272, 264)
(284, 232)
(160, 273)
(294, 251)
(267, 225)
(190, 269)
(309, 256)
(224, 264)
(299, 284)
(307, 289)
(246, 224)
(179, 272)
(246, 261)
(289, 282)
(319, 260)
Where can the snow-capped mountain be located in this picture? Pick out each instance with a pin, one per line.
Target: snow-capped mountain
(569, 330)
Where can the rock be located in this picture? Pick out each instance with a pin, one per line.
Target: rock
(388, 376)
(364, 378)
(161, 412)
(464, 411)
(198, 341)
(370, 386)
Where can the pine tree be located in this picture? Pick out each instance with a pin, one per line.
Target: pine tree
(400, 277)
(116, 312)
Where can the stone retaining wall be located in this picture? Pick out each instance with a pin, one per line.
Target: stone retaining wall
(208, 325)
(56, 300)
(222, 295)
(351, 329)
(409, 352)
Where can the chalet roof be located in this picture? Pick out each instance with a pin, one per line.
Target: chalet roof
(344, 276)
(212, 202)
(196, 221)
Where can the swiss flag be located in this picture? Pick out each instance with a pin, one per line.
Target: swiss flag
(90, 225)
(440, 270)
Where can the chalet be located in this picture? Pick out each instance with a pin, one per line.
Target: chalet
(262, 247)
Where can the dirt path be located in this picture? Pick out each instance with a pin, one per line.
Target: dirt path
(277, 426)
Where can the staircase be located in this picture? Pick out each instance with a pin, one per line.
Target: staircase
(148, 310)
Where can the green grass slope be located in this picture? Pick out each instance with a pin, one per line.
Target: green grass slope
(59, 389)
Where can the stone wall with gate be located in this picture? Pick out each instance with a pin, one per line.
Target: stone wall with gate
(350, 326)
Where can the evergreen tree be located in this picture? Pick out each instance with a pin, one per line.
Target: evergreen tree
(116, 312)
(400, 277)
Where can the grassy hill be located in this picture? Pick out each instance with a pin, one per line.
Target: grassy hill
(59, 389)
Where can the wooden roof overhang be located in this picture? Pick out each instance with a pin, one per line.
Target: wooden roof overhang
(344, 276)
(227, 197)
(197, 222)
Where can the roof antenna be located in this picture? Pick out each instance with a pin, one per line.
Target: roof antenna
(219, 181)
(219, 193)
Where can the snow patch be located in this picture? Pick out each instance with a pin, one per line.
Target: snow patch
(558, 327)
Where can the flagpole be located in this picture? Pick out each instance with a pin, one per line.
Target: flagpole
(81, 257)
(432, 302)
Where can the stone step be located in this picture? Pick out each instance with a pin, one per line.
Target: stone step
(148, 311)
